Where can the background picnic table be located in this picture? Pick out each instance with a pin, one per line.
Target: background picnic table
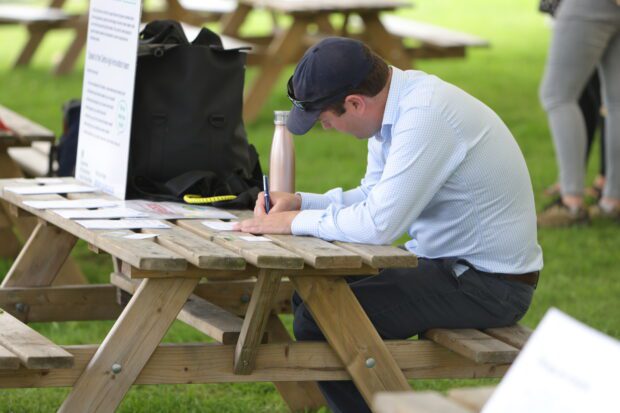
(581, 266)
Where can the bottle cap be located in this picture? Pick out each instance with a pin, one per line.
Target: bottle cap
(280, 116)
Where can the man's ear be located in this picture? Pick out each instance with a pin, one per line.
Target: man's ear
(356, 103)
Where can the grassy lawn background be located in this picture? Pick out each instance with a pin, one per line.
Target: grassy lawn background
(580, 275)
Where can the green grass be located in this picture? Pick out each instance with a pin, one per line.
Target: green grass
(581, 269)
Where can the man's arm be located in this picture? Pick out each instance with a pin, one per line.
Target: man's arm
(337, 196)
(424, 152)
(276, 222)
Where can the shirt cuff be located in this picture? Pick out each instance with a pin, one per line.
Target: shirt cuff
(314, 201)
(307, 222)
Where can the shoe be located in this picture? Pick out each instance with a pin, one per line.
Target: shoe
(598, 211)
(593, 194)
(552, 190)
(557, 215)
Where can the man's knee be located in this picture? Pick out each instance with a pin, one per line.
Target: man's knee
(551, 98)
(304, 326)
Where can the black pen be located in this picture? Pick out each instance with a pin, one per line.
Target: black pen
(266, 188)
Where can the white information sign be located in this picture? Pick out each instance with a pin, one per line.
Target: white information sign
(107, 94)
(565, 367)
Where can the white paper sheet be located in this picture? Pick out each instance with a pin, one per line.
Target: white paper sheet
(49, 189)
(122, 223)
(177, 210)
(73, 204)
(140, 236)
(219, 225)
(49, 181)
(565, 367)
(103, 213)
(251, 238)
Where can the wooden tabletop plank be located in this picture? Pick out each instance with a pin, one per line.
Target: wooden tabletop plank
(318, 253)
(198, 250)
(8, 360)
(260, 254)
(34, 350)
(381, 256)
(23, 128)
(474, 344)
(143, 254)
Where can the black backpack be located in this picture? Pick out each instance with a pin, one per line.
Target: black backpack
(187, 133)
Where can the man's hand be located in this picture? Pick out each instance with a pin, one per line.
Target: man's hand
(280, 202)
(272, 223)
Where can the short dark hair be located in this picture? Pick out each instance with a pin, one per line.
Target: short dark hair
(370, 86)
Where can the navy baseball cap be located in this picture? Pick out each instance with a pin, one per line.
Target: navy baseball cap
(326, 73)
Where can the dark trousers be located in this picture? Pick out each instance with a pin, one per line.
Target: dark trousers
(404, 302)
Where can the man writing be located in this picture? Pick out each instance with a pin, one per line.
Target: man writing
(443, 168)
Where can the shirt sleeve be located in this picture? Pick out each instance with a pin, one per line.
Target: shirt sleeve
(337, 196)
(425, 151)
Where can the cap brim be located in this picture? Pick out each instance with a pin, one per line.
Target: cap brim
(299, 122)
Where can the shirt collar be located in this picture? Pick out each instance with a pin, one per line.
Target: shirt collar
(391, 105)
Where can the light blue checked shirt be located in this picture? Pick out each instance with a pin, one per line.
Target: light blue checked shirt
(443, 168)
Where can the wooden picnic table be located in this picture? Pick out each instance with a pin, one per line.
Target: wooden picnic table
(40, 20)
(287, 45)
(231, 290)
(365, 20)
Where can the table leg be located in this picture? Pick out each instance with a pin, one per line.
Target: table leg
(255, 321)
(351, 334)
(388, 46)
(129, 345)
(73, 52)
(284, 47)
(325, 26)
(232, 22)
(36, 32)
(41, 258)
(299, 396)
(9, 244)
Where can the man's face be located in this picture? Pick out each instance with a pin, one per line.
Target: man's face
(349, 122)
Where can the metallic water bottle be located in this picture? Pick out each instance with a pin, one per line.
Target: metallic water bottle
(282, 158)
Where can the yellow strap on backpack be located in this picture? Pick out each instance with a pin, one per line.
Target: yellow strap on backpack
(198, 199)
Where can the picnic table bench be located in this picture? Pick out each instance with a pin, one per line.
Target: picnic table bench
(230, 289)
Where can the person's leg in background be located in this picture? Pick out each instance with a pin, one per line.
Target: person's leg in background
(577, 47)
(405, 302)
(610, 80)
(590, 105)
